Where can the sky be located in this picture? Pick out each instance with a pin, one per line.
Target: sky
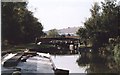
(61, 14)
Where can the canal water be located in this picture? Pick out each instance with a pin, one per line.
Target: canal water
(87, 63)
(68, 62)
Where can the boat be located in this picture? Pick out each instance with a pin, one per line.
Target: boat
(29, 63)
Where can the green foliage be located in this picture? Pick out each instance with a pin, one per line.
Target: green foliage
(53, 33)
(117, 53)
(103, 24)
(82, 33)
(18, 23)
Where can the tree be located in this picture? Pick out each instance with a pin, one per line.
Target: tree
(10, 20)
(82, 33)
(31, 27)
(53, 33)
(103, 24)
(110, 18)
(18, 23)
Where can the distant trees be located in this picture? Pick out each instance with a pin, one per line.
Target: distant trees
(53, 33)
(103, 24)
(18, 23)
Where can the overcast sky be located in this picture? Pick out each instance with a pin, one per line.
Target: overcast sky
(61, 13)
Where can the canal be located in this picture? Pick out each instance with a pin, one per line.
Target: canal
(68, 62)
(87, 63)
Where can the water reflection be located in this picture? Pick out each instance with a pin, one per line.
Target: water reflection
(98, 63)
